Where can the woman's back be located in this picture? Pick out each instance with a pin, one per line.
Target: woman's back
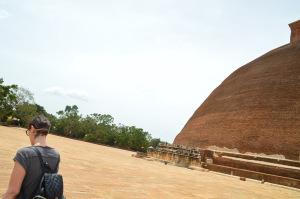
(27, 172)
(29, 160)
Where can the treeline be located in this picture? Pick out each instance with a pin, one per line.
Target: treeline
(17, 107)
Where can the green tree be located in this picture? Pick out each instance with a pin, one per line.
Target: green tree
(53, 120)
(25, 112)
(68, 123)
(8, 100)
(139, 139)
(98, 128)
(41, 110)
(26, 108)
(24, 96)
(122, 137)
(154, 142)
(90, 127)
(102, 119)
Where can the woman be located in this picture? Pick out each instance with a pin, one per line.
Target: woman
(27, 173)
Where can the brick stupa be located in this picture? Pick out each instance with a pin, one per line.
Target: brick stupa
(256, 109)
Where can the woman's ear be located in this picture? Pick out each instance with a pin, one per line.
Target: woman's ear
(30, 126)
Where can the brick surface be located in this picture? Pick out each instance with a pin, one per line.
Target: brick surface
(256, 109)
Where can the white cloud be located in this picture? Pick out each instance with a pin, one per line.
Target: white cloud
(77, 94)
(72, 93)
(55, 91)
(4, 14)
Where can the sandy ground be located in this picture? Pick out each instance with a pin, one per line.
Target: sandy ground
(94, 171)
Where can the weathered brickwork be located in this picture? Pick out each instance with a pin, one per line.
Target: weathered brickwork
(256, 109)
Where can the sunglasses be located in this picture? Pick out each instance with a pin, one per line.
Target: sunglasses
(27, 132)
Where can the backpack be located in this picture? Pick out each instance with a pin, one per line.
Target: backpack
(51, 183)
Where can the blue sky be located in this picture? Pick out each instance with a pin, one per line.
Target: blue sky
(147, 63)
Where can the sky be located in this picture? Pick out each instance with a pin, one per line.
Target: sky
(150, 64)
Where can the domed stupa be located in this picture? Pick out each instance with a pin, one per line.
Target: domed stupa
(256, 109)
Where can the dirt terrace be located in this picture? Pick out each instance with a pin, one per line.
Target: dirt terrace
(94, 171)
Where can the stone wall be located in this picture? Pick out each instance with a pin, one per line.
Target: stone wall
(264, 169)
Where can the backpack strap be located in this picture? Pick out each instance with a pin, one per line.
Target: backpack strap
(41, 159)
(44, 165)
(56, 167)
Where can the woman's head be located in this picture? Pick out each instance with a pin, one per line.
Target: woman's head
(39, 126)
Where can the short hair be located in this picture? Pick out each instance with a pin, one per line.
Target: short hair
(41, 124)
